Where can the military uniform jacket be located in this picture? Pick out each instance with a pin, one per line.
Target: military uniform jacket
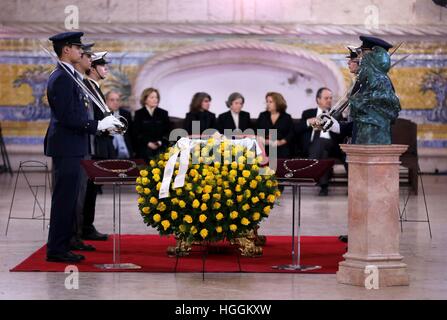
(67, 133)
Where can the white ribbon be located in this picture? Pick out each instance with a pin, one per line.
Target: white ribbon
(185, 145)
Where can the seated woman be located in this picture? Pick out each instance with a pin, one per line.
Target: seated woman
(151, 126)
(235, 118)
(199, 111)
(276, 117)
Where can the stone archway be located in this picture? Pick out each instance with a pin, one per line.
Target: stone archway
(250, 67)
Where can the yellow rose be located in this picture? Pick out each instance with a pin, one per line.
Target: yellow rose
(219, 216)
(234, 214)
(233, 227)
(269, 183)
(174, 201)
(267, 210)
(156, 171)
(256, 216)
(217, 196)
(174, 215)
(156, 177)
(182, 204)
(255, 199)
(277, 193)
(233, 165)
(241, 166)
(253, 184)
(216, 205)
(158, 186)
(193, 230)
(139, 189)
(199, 189)
(203, 207)
(247, 193)
(153, 200)
(203, 233)
(239, 198)
(145, 181)
(241, 181)
(143, 173)
(262, 195)
(205, 197)
(208, 189)
(238, 188)
(245, 221)
(161, 207)
(229, 202)
(195, 203)
(166, 224)
(228, 193)
(147, 191)
(187, 218)
(202, 218)
(245, 173)
(219, 229)
(245, 207)
(271, 198)
(217, 165)
(241, 159)
(138, 180)
(156, 217)
(258, 178)
(182, 228)
(140, 200)
(145, 210)
(233, 173)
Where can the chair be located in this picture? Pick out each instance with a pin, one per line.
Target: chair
(25, 168)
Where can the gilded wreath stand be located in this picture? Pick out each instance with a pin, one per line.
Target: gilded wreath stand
(249, 245)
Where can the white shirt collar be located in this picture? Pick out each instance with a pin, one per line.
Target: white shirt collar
(320, 111)
(69, 66)
(80, 74)
(150, 110)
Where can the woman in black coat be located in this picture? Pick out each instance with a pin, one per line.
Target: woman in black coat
(151, 126)
(199, 111)
(276, 117)
(235, 118)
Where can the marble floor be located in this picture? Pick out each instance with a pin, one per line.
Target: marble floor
(426, 258)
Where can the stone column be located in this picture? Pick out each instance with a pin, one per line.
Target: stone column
(373, 216)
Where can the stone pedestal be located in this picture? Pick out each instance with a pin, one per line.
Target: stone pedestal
(373, 216)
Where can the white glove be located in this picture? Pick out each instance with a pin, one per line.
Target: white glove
(109, 123)
(330, 124)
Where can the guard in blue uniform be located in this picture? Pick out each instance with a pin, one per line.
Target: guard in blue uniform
(66, 141)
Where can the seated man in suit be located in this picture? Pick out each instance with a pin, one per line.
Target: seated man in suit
(121, 143)
(317, 144)
(235, 118)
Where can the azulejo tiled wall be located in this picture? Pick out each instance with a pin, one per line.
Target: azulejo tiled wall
(420, 80)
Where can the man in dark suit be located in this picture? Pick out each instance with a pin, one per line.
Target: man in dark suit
(66, 141)
(121, 143)
(235, 118)
(317, 144)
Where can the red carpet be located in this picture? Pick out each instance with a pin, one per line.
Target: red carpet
(149, 252)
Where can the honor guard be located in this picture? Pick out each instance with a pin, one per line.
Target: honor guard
(66, 142)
